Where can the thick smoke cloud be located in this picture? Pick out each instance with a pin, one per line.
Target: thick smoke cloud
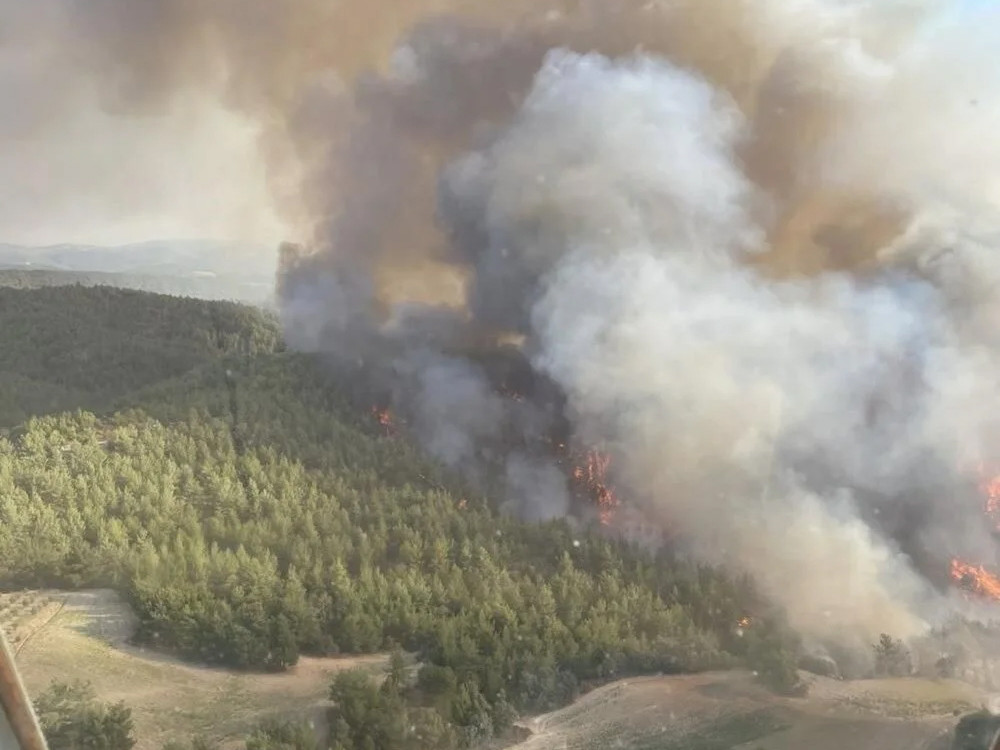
(732, 282)
(745, 248)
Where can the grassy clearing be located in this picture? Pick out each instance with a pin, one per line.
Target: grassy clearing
(170, 699)
(721, 733)
(719, 711)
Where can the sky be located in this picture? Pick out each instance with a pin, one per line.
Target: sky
(100, 180)
(71, 172)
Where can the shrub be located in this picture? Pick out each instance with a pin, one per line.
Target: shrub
(73, 719)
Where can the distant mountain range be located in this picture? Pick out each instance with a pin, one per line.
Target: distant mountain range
(205, 269)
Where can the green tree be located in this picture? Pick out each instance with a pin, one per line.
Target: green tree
(364, 716)
(892, 657)
(472, 712)
(73, 719)
(282, 735)
(772, 652)
(397, 676)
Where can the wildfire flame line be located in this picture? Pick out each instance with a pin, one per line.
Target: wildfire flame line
(976, 579)
(590, 469)
(592, 474)
(990, 487)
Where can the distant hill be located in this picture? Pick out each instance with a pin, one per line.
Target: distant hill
(199, 287)
(206, 269)
(77, 347)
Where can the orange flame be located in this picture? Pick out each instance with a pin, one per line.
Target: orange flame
(990, 487)
(385, 420)
(593, 475)
(975, 579)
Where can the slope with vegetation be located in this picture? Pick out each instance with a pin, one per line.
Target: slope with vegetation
(249, 514)
(211, 287)
(75, 347)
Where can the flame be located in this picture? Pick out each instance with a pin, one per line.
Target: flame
(592, 474)
(990, 487)
(975, 579)
(383, 416)
(744, 622)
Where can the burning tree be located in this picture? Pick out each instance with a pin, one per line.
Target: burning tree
(591, 474)
(990, 487)
(385, 420)
(976, 579)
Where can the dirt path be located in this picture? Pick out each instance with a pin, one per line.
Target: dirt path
(86, 638)
(728, 710)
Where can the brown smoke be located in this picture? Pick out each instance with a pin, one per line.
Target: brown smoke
(354, 143)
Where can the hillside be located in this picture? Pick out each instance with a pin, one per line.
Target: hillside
(177, 258)
(204, 269)
(201, 286)
(718, 711)
(72, 347)
(250, 512)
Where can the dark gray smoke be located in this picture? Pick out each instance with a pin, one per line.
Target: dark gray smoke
(745, 248)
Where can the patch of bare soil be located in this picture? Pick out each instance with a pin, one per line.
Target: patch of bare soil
(86, 637)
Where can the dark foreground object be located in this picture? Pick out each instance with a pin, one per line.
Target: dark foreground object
(978, 731)
(19, 728)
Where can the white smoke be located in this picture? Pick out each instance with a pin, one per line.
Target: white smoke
(753, 416)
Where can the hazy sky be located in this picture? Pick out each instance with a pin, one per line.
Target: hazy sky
(103, 180)
(69, 172)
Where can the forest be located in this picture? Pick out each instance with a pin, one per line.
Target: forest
(251, 511)
(210, 287)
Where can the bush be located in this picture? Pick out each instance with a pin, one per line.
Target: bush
(196, 744)
(283, 735)
(823, 666)
(773, 654)
(73, 719)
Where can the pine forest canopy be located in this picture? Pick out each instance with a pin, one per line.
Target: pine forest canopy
(250, 511)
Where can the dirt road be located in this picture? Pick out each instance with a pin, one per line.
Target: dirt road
(87, 639)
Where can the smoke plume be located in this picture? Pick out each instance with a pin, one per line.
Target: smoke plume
(744, 248)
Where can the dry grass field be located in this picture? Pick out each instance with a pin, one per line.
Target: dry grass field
(719, 711)
(83, 635)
